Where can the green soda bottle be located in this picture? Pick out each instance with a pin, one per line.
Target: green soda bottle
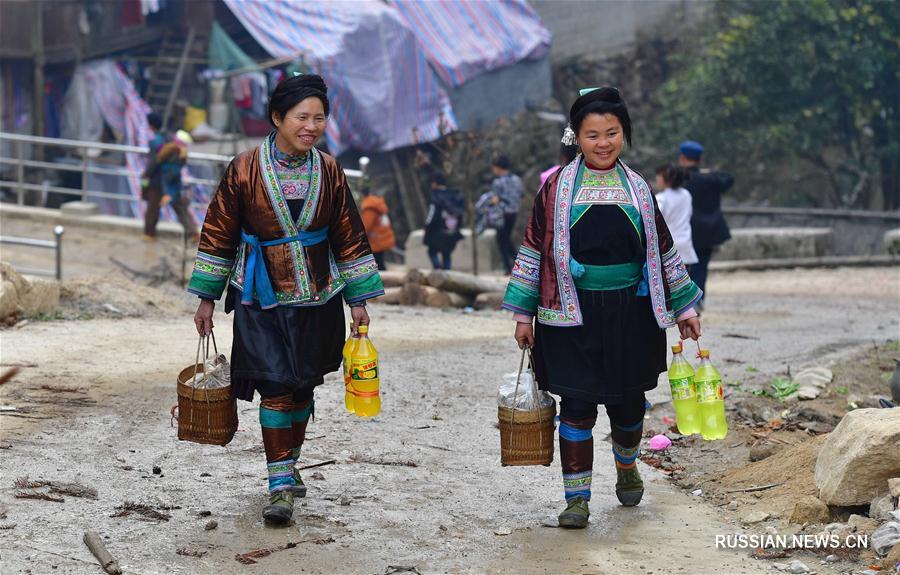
(681, 382)
(710, 398)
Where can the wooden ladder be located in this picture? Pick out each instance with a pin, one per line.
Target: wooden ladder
(168, 73)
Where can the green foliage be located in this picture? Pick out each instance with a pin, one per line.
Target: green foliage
(780, 388)
(795, 82)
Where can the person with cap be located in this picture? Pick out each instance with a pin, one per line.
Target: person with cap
(599, 271)
(378, 225)
(708, 226)
(507, 192)
(283, 235)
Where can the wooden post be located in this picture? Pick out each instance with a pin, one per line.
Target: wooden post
(37, 44)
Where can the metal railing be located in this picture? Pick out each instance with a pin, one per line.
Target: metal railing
(55, 244)
(81, 149)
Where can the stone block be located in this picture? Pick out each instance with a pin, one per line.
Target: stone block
(461, 260)
(892, 241)
(859, 457)
(42, 297)
(776, 243)
(810, 509)
(80, 209)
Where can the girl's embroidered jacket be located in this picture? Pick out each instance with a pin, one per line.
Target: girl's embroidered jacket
(542, 282)
(248, 199)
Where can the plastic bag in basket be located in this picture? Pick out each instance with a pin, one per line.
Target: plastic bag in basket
(216, 374)
(527, 397)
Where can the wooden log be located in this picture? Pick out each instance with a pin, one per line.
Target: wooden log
(489, 300)
(416, 276)
(465, 284)
(391, 296)
(95, 544)
(412, 294)
(439, 298)
(393, 278)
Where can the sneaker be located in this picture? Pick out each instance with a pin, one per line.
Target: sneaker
(576, 514)
(629, 486)
(299, 486)
(280, 508)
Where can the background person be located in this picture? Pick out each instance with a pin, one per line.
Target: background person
(507, 193)
(374, 212)
(151, 184)
(675, 204)
(709, 229)
(443, 223)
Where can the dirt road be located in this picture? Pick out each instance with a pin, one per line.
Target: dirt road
(419, 486)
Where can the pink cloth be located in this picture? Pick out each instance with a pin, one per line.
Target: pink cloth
(547, 173)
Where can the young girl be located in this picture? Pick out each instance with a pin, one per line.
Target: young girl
(675, 203)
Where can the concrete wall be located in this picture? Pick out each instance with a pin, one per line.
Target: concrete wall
(583, 27)
(853, 232)
(461, 259)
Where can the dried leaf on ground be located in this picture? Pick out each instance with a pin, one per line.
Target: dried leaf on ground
(188, 552)
(129, 507)
(38, 495)
(73, 489)
(355, 458)
(250, 557)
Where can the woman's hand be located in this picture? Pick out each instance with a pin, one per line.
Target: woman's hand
(690, 328)
(360, 316)
(203, 317)
(524, 334)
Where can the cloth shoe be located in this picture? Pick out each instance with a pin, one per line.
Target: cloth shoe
(280, 508)
(576, 514)
(629, 486)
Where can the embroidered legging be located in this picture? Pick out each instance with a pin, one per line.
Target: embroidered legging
(284, 419)
(576, 440)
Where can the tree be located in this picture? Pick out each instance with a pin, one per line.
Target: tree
(797, 81)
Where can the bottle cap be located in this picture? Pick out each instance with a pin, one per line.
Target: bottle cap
(704, 353)
(363, 329)
(676, 348)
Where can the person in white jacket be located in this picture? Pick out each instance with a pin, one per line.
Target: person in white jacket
(675, 203)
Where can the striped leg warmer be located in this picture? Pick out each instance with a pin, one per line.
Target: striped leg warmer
(576, 451)
(276, 419)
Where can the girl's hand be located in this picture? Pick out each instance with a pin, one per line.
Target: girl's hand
(524, 334)
(690, 328)
(360, 316)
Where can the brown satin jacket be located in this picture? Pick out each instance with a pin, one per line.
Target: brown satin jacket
(249, 200)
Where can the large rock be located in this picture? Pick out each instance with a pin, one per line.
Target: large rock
(29, 297)
(859, 456)
(774, 243)
(810, 510)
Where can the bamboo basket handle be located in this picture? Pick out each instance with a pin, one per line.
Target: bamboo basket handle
(516, 392)
(536, 391)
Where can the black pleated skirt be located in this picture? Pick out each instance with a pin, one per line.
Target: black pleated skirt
(284, 349)
(619, 350)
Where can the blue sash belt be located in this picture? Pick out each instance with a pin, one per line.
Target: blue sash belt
(256, 278)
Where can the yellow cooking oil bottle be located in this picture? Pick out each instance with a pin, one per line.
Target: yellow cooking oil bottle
(364, 375)
(348, 388)
(710, 398)
(684, 396)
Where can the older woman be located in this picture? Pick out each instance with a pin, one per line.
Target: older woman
(283, 234)
(599, 269)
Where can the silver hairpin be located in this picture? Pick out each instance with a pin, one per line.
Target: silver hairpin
(568, 137)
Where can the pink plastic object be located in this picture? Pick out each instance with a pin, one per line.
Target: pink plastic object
(660, 442)
(668, 420)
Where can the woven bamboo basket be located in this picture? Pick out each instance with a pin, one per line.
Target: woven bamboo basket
(526, 437)
(205, 415)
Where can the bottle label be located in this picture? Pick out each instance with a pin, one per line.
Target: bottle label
(681, 388)
(364, 370)
(709, 390)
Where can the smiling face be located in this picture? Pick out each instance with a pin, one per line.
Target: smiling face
(601, 139)
(301, 127)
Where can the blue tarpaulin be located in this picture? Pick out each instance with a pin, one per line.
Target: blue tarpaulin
(389, 65)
